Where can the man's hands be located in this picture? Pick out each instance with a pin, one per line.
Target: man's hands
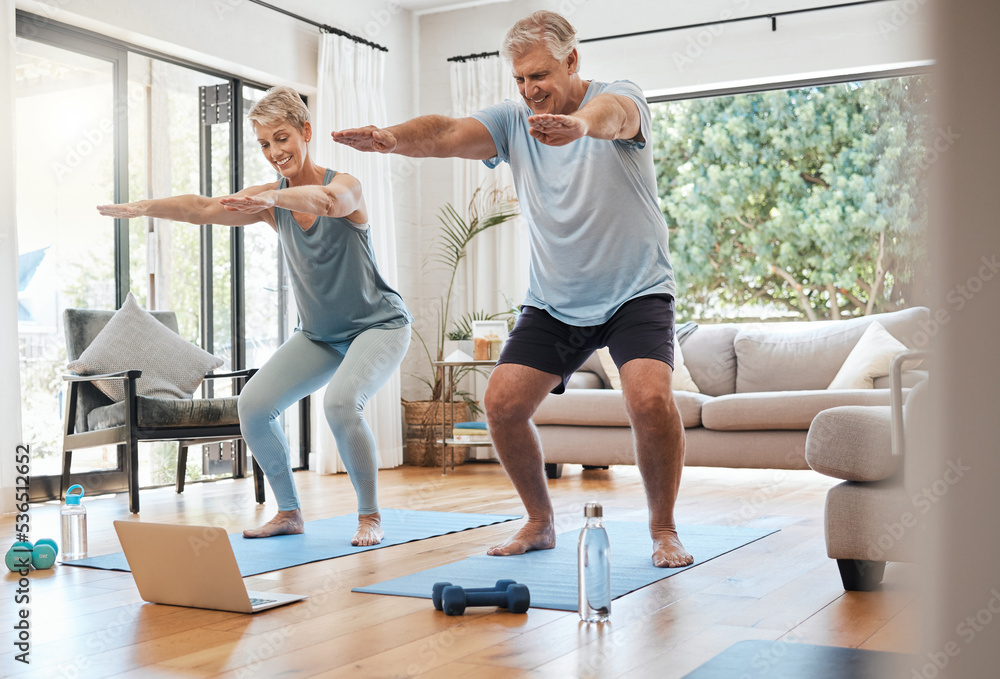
(369, 138)
(250, 205)
(556, 130)
(123, 210)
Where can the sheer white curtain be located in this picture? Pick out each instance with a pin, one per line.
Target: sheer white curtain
(497, 262)
(351, 94)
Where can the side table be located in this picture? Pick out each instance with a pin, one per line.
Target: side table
(445, 440)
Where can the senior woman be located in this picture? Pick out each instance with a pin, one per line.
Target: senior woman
(353, 328)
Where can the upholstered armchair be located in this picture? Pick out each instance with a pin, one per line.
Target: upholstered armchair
(93, 418)
(871, 517)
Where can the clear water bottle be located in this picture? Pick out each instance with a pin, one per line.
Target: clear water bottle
(594, 566)
(73, 516)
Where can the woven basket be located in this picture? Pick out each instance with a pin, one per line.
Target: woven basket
(423, 430)
(429, 412)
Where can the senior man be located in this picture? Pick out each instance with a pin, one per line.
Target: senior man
(600, 272)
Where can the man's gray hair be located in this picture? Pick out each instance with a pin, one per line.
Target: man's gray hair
(542, 27)
(279, 105)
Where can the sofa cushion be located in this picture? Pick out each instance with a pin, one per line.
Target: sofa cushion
(584, 379)
(711, 359)
(801, 356)
(781, 409)
(169, 412)
(606, 408)
(680, 381)
(869, 359)
(852, 443)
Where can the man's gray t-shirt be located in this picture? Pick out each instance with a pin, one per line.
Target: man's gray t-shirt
(598, 238)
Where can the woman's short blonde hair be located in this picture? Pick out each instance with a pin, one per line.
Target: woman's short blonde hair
(280, 105)
(545, 27)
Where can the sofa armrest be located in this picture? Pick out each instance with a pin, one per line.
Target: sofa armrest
(896, 395)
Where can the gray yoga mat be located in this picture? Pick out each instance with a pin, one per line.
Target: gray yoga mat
(551, 574)
(327, 539)
(787, 660)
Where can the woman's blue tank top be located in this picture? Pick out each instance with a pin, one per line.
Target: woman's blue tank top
(338, 288)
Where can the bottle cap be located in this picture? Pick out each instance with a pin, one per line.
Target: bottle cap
(593, 509)
(74, 499)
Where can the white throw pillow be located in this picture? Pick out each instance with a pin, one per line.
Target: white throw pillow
(681, 380)
(171, 366)
(870, 358)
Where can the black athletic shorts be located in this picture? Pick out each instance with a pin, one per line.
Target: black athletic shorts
(641, 328)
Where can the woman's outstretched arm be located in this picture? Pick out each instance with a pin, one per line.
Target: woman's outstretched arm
(340, 198)
(191, 208)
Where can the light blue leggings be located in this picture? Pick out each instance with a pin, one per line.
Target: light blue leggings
(355, 370)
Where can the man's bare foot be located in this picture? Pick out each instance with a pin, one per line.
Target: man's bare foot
(283, 523)
(533, 535)
(668, 552)
(369, 530)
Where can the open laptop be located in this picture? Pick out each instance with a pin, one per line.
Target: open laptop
(190, 566)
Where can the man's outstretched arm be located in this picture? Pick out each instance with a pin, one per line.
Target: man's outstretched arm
(606, 116)
(431, 136)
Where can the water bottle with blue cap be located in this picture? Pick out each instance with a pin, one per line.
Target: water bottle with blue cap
(73, 517)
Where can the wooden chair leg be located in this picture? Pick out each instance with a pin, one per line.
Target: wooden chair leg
(182, 459)
(132, 469)
(64, 479)
(258, 482)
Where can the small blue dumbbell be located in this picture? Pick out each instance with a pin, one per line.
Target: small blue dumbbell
(515, 598)
(18, 556)
(41, 555)
(501, 586)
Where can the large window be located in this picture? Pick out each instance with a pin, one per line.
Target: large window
(807, 203)
(65, 166)
(98, 122)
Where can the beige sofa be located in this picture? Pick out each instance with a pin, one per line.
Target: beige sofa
(760, 384)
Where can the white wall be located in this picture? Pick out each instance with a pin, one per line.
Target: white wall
(848, 40)
(10, 401)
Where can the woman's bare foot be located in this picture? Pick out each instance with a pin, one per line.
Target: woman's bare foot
(668, 552)
(533, 535)
(369, 530)
(283, 523)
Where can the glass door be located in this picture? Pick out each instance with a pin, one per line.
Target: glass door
(66, 165)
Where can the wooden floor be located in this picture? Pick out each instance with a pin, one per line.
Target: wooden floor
(92, 623)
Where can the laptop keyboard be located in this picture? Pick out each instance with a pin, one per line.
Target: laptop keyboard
(254, 601)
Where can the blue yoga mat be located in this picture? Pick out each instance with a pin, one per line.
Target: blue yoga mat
(327, 539)
(551, 574)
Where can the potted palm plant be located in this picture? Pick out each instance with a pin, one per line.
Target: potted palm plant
(487, 208)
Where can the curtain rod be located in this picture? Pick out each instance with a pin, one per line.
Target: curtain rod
(322, 27)
(772, 17)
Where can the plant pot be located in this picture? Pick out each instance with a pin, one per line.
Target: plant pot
(423, 431)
